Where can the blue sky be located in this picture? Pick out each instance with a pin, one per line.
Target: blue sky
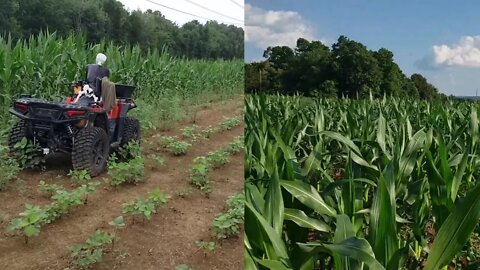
(439, 39)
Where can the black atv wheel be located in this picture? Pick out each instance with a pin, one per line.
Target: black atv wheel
(131, 131)
(90, 150)
(18, 132)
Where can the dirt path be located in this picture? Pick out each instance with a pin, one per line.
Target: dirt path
(164, 242)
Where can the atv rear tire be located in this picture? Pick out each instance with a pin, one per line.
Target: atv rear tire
(90, 150)
(18, 132)
(131, 131)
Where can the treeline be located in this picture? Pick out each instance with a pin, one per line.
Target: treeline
(109, 20)
(347, 69)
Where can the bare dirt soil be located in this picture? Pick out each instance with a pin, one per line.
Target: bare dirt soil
(167, 240)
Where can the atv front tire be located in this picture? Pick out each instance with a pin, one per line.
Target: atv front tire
(90, 150)
(18, 132)
(131, 131)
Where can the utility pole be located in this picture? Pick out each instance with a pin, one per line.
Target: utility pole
(260, 77)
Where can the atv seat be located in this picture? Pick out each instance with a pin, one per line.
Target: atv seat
(94, 74)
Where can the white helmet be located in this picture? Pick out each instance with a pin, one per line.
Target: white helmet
(101, 58)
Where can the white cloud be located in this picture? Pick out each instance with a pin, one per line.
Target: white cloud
(265, 28)
(464, 54)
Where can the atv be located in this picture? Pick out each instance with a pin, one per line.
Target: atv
(78, 125)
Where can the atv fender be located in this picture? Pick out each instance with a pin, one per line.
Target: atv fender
(98, 120)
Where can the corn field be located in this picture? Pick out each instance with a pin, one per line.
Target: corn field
(361, 184)
(44, 66)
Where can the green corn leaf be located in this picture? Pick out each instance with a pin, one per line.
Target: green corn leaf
(302, 220)
(307, 194)
(265, 235)
(273, 265)
(343, 232)
(455, 230)
(353, 248)
(248, 262)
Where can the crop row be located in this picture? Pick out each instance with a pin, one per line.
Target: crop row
(340, 183)
(203, 164)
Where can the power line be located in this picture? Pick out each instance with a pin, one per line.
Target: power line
(211, 10)
(187, 13)
(238, 5)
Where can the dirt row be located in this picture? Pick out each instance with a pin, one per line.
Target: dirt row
(162, 243)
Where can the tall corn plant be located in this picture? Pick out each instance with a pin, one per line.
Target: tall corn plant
(43, 65)
(343, 184)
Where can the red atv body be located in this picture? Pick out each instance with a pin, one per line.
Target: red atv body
(83, 129)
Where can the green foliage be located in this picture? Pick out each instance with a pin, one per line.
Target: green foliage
(348, 69)
(131, 150)
(79, 176)
(64, 200)
(184, 192)
(207, 132)
(218, 158)
(9, 168)
(183, 267)
(29, 221)
(158, 161)
(236, 145)
(208, 246)
(199, 174)
(86, 254)
(174, 145)
(49, 189)
(146, 207)
(110, 20)
(178, 148)
(424, 88)
(28, 154)
(190, 132)
(167, 140)
(227, 224)
(131, 171)
(168, 85)
(229, 123)
(118, 222)
(378, 183)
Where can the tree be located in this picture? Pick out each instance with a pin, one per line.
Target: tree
(117, 20)
(8, 9)
(256, 78)
(347, 69)
(392, 77)
(311, 69)
(108, 20)
(356, 69)
(425, 89)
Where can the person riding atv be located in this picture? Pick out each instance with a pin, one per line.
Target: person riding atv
(88, 125)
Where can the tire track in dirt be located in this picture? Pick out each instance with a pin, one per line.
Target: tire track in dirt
(50, 250)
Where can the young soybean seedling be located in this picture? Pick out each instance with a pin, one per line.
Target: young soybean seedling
(146, 207)
(183, 267)
(158, 161)
(86, 254)
(29, 221)
(117, 223)
(49, 189)
(81, 176)
(184, 192)
(206, 246)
